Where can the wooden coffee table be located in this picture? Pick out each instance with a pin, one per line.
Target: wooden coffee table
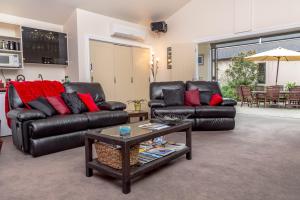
(138, 135)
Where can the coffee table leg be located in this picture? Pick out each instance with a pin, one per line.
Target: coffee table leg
(189, 143)
(126, 169)
(88, 156)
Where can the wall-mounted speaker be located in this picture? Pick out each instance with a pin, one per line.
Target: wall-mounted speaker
(159, 27)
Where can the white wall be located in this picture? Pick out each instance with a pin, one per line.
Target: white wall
(204, 70)
(207, 20)
(50, 72)
(70, 27)
(96, 26)
(288, 72)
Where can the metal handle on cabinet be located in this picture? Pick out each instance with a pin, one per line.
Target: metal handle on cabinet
(131, 79)
(115, 80)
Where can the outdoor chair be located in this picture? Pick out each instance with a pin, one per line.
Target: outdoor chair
(272, 95)
(247, 96)
(293, 98)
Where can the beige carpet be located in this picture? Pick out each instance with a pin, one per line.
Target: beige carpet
(259, 160)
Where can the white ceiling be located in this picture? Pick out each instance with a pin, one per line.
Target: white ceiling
(58, 11)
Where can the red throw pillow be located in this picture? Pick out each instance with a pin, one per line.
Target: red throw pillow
(59, 105)
(87, 99)
(215, 100)
(192, 98)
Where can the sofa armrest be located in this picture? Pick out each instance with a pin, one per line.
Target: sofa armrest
(228, 102)
(23, 114)
(111, 105)
(156, 103)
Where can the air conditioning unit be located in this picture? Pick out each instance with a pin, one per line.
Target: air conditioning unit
(127, 32)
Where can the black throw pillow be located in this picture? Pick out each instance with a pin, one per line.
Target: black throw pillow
(41, 104)
(205, 97)
(74, 103)
(173, 97)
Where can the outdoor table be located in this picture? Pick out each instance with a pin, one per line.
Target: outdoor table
(255, 92)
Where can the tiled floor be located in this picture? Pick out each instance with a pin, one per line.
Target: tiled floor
(272, 112)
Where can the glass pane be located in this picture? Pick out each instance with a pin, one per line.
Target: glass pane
(47, 47)
(135, 130)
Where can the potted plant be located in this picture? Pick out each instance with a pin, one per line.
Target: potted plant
(290, 85)
(137, 104)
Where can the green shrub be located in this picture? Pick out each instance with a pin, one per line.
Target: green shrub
(229, 92)
(240, 72)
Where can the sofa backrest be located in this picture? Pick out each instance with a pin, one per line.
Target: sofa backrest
(95, 89)
(204, 86)
(157, 87)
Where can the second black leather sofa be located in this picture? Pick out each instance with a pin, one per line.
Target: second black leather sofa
(203, 117)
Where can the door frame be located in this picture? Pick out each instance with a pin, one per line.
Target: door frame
(115, 41)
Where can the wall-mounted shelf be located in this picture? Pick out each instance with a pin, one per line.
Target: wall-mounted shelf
(11, 33)
(10, 51)
(10, 37)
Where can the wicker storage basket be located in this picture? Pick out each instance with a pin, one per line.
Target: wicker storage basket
(112, 156)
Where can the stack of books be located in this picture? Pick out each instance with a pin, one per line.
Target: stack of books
(148, 154)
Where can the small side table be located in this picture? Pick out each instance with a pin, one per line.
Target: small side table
(143, 115)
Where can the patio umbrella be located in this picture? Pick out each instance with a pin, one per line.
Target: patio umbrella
(279, 54)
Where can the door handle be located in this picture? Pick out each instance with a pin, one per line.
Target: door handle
(115, 80)
(131, 79)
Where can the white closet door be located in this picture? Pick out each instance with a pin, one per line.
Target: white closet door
(141, 62)
(102, 60)
(184, 61)
(123, 73)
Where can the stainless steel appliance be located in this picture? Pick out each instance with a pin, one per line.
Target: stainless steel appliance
(9, 60)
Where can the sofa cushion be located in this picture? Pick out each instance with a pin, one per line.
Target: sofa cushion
(94, 89)
(157, 87)
(178, 110)
(87, 99)
(58, 125)
(192, 98)
(42, 105)
(215, 100)
(106, 118)
(205, 97)
(173, 97)
(74, 103)
(215, 112)
(59, 105)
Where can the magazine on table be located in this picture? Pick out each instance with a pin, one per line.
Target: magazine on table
(154, 126)
(161, 151)
(175, 147)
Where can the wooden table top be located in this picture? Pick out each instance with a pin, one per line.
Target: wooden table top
(264, 92)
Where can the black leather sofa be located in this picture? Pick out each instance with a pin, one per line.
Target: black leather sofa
(203, 117)
(38, 135)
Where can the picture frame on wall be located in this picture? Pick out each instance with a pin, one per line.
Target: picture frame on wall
(169, 58)
(200, 59)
